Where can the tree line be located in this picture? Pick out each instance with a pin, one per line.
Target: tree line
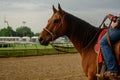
(20, 31)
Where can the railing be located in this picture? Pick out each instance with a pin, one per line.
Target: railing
(32, 49)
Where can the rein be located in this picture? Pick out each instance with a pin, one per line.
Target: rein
(96, 32)
(53, 36)
(99, 28)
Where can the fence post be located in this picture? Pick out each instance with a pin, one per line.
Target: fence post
(36, 49)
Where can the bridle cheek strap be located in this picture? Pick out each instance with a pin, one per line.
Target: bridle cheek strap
(51, 33)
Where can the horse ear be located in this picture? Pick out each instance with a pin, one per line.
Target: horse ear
(54, 9)
(59, 7)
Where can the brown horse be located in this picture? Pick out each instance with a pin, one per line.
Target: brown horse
(82, 34)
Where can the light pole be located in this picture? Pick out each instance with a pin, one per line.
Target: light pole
(5, 21)
(24, 22)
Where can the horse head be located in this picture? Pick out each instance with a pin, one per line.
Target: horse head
(55, 28)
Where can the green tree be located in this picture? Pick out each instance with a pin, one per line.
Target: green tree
(7, 32)
(36, 34)
(24, 31)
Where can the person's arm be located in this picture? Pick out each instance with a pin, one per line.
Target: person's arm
(111, 17)
(116, 21)
(115, 25)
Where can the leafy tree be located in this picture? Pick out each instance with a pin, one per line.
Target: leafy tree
(7, 32)
(36, 34)
(24, 31)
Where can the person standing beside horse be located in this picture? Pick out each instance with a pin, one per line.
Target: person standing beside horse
(107, 52)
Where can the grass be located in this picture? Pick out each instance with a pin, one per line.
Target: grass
(31, 50)
(18, 46)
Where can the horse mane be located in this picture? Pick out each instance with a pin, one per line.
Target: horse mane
(82, 30)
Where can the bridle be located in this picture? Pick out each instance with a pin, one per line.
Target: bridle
(53, 36)
(51, 33)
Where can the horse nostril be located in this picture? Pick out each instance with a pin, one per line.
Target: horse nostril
(40, 39)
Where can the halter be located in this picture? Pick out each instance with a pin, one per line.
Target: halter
(53, 36)
(51, 33)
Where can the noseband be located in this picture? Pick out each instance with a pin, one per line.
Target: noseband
(51, 33)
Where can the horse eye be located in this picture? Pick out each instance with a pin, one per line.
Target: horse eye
(57, 21)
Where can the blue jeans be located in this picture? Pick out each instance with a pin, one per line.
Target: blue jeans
(107, 52)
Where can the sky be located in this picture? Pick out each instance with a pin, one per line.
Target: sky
(37, 12)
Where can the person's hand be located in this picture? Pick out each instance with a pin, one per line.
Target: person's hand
(111, 17)
(115, 25)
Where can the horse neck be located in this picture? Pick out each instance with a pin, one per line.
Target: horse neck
(81, 33)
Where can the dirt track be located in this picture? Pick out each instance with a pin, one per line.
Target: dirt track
(48, 67)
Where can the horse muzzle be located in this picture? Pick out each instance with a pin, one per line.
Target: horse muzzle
(44, 41)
